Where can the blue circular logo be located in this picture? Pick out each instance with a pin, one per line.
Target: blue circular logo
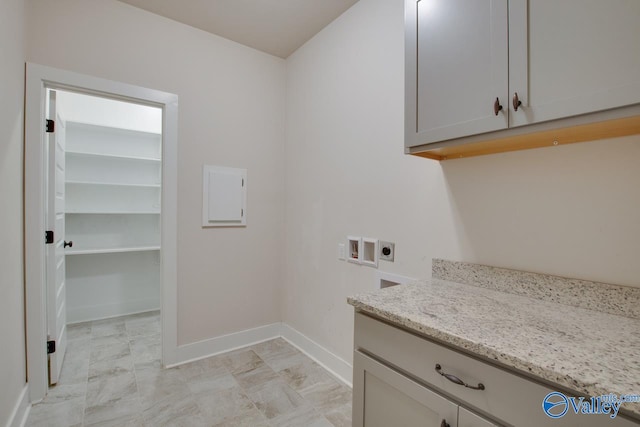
(555, 404)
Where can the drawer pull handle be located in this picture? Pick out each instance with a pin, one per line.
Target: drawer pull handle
(457, 380)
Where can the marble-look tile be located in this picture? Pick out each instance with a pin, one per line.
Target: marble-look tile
(110, 367)
(63, 392)
(112, 410)
(303, 416)
(109, 340)
(255, 377)
(74, 369)
(60, 413)
(304, 374)
(157, 384)
(146, 351)
(142, 327)
(176, 410)
(210, 382)
(249, 418)
(79, 331)
(134, 420)
(340, 416)
(224, 405)
(102, 328)
(109, 353)
(242, 360)
(78, 349)
(274, 348)
(210, 366)
(276, 398)
(104, 391)
(327, 395)
(114, 378)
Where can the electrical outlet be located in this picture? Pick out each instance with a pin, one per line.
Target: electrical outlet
(387, 251)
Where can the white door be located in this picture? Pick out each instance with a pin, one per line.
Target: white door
(56, 292)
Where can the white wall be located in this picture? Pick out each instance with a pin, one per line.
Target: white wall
(12, 52)
(570, 210)
(231, 113)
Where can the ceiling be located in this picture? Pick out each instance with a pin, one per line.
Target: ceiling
(277, 27)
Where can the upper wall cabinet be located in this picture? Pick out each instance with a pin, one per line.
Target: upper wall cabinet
(500, 70)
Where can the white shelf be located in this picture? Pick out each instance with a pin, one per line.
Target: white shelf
(110, 250)
(114, 184)
(98, 127)
(113, 156)
(112, 213)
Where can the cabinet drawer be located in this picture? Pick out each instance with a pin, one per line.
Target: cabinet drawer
(506, 396)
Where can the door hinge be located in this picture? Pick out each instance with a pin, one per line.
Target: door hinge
(51, 126)
(48, 237)
(51, 347)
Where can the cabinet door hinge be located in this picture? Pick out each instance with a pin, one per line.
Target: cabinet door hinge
(51, 126)
(48, 237)
(51, 347)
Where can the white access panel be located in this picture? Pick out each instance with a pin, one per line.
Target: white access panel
(224, 198)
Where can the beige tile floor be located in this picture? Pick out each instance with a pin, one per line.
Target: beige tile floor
(111, 376)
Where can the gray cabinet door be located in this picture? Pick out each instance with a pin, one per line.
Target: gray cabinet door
(383, 397)
(456, 69)
(469, 419)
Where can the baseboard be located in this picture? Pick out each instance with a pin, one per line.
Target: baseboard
(18, 417)
(340, 368)
(222, 344)
(105, 311)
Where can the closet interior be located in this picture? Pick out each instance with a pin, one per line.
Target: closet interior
(113, 188)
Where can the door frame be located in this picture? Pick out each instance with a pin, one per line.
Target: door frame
(39, 78)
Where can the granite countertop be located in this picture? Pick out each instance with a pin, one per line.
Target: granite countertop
(590, 352)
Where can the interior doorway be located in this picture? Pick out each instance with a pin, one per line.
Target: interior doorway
(104, 207)
(101, 184)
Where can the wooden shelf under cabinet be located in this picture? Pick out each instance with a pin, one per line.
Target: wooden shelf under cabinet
(499, 143)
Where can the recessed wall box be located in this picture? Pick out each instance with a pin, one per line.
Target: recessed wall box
(354, 245)
(224, 197)
(369, 252)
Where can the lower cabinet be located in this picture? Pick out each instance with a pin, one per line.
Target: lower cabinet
(384, 397)
(401, 379)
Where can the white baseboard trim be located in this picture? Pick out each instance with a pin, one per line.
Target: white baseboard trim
(222, 344)
(18, 417)
(106, 311)
(340, 368)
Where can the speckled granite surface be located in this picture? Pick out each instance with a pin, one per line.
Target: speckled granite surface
(614, 299)
(592, 353)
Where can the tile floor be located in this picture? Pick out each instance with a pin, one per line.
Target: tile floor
(111, 376)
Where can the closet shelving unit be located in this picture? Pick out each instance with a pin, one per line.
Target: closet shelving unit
(113, 191)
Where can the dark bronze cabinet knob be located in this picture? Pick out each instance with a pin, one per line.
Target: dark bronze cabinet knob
(497, 107)
(516, 101)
